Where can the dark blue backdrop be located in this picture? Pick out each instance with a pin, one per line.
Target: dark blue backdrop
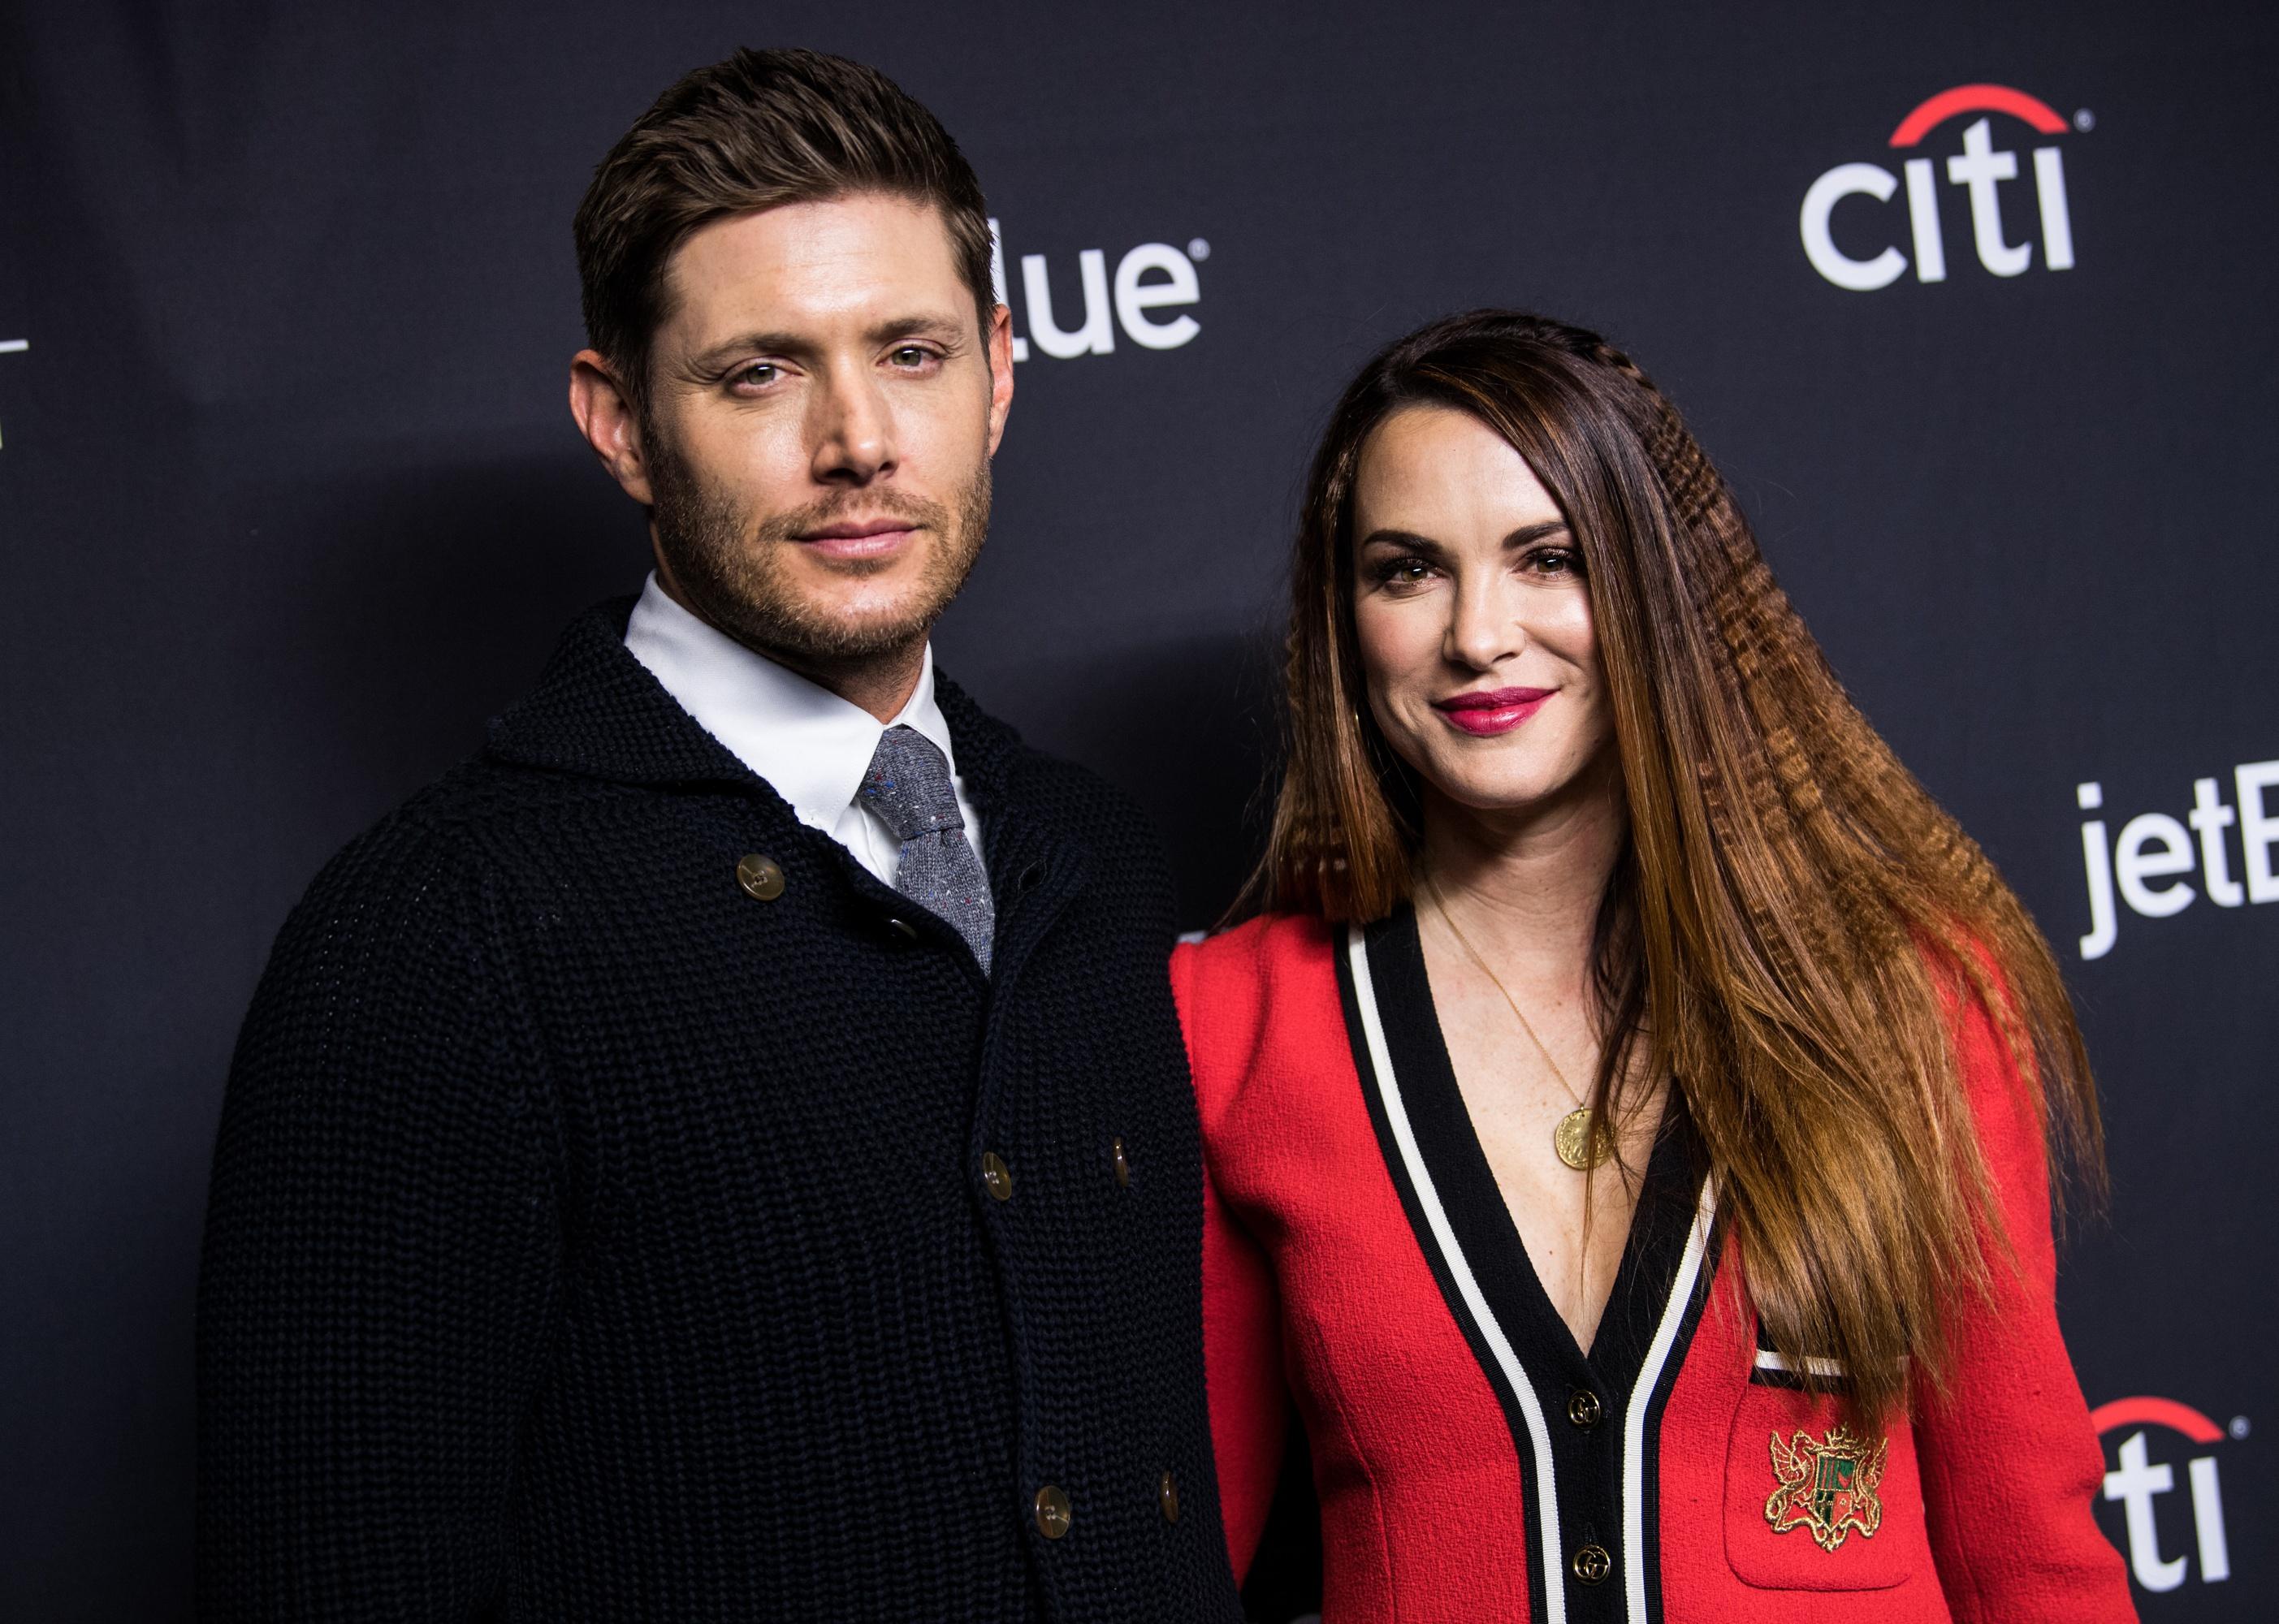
(290, 503)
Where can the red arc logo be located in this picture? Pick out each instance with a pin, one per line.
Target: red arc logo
(1946, 104)
(2158, 1412)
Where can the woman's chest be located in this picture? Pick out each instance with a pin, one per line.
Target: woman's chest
(1441, 1388)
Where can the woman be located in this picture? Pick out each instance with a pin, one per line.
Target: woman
(1627, 1122)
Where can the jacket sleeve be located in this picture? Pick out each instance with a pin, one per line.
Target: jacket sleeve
(2009, 1459)
(1242, 1314)
(381, 1255)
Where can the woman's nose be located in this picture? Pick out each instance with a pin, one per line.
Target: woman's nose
(1484, 627)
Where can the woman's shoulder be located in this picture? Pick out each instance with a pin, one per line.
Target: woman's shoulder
(1992, 1053)
(1260, 944)
(1242, 965)
(1996, 1065)
(1251, 989)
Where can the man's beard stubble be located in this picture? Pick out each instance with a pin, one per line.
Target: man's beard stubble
(733, 573)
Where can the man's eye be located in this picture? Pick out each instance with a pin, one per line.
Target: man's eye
(910, 355)
(757, 376)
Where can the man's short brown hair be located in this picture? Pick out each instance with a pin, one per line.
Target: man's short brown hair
(762, 129)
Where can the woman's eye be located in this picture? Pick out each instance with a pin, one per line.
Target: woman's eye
(1399, 572)
(1556, 560)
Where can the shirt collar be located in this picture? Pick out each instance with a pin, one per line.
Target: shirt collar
(811, 745)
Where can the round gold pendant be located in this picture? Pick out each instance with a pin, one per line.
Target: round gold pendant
(1581, 1142)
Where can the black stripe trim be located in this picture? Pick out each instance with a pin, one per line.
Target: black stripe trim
(1419, 1227)
(1650, 1475)
(1588, 1463)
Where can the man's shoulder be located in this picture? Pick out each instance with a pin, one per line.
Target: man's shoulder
(453, 835)
(1002, 767)
(1078, 797)
(427, 849)
(593, 730)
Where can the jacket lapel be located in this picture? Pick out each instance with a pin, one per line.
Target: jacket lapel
(1036, 866)
(597, 713)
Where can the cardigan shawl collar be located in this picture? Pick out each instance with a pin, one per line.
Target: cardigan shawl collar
(598, 713)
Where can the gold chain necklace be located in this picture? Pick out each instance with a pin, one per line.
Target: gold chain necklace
(1580, 1140)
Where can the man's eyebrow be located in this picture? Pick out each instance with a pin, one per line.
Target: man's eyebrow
(917, 326)
(729, 349)
(802, 348)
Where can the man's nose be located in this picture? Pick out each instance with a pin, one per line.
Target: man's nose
(852, 429)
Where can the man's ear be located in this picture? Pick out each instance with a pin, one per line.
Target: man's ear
(610, 425)
(1001, 374)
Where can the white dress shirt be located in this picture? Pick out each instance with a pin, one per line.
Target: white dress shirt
(812, 747)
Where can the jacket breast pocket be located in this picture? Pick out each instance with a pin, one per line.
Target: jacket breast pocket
(1813, 1502)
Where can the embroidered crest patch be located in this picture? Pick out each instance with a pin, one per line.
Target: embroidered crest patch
(1828, 1485)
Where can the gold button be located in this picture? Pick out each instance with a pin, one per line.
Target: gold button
(1583, 1407)
(1592, 1564)
(1124, 1176)
(760, 877)
(996, 1178)
(1167, 1496)
(1053, 1514)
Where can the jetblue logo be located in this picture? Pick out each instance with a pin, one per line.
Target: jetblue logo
(1982, 171)
(1146, 299)
(2150, 864)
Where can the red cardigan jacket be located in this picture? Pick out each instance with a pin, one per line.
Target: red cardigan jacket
(1473, 1464)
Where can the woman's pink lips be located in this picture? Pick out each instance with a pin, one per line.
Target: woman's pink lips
(1496, 710)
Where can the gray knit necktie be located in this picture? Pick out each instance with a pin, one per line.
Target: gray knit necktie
(908, 786)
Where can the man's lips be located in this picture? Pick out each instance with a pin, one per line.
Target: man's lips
(858, 538)
(1493, 710)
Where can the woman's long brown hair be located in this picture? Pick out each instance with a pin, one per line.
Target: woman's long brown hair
(1794, 920)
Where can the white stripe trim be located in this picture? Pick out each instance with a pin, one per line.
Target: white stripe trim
(1396, 1116)
(1649, 1377)
(1832, 1369)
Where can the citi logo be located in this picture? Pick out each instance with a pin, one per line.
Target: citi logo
(1152, 277)
(1979, 168)
(2137, 1481)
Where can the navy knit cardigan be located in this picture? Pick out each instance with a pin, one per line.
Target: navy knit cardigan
(593, 1238)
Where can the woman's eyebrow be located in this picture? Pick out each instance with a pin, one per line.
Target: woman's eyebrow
(1526, 533)
(1406, 538)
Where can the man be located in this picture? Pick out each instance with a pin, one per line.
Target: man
(725, 1151)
